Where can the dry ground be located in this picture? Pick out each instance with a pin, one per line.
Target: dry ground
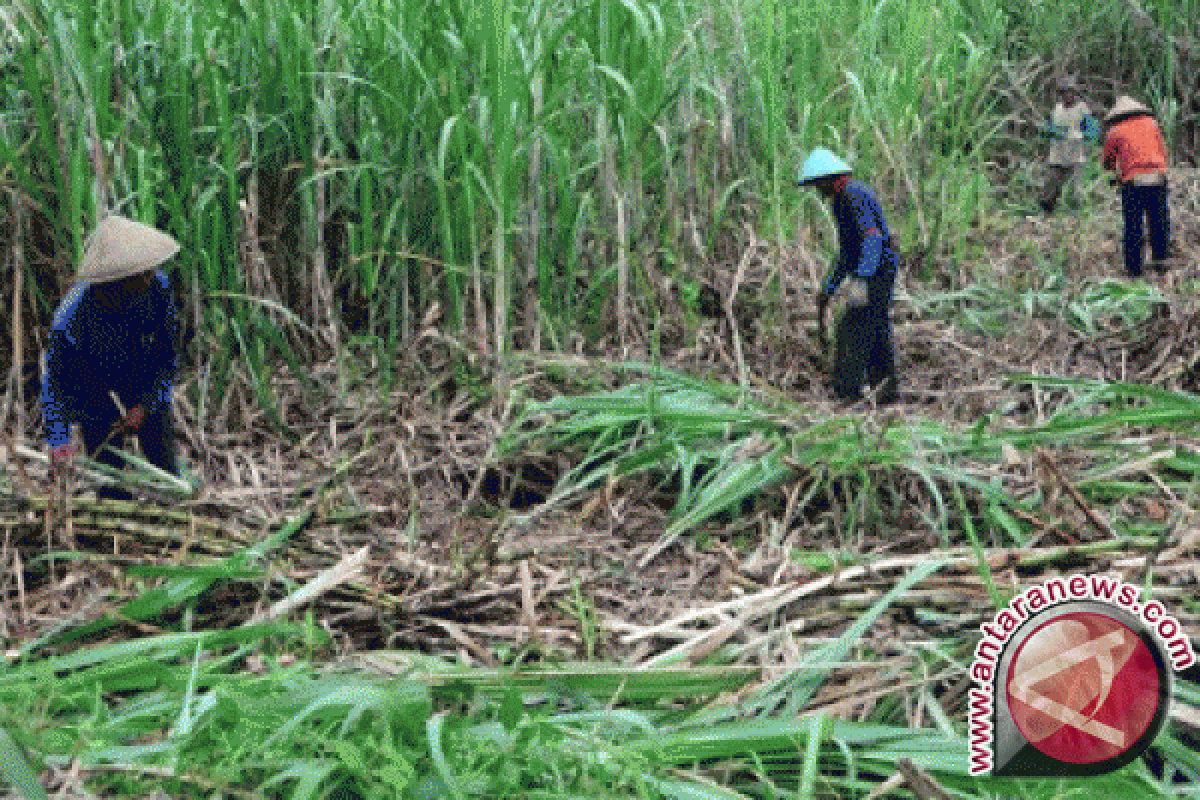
(420, 484)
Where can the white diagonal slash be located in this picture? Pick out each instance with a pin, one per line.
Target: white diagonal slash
(1100, 649)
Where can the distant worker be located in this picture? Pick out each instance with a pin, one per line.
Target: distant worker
(868, 256)
(1135, 149)
(113, 336)
(1072, 126)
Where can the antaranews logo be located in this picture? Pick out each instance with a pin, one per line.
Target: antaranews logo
(1072, 679)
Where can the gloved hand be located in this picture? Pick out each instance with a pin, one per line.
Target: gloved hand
(855, 291)
(133, 419)
(61, 458)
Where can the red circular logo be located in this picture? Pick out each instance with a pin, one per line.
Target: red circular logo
(1083, 688)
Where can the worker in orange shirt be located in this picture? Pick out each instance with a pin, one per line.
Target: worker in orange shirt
(1135, 149)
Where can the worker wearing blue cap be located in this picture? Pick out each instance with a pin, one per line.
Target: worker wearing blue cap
(111, 355)
(868, 258)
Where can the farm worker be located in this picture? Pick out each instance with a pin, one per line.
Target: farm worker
(1135, 149)
(113, 336)
(1071, 126)
(867, 255)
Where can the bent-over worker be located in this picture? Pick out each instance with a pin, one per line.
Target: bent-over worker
(1134, 148)
(866, 255)
(114, 335)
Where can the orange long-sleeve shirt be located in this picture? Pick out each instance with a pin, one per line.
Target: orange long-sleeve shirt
(1135, 146)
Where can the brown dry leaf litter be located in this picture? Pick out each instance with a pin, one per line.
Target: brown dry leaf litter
(445, 569)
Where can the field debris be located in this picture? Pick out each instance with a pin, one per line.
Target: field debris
(427, 538)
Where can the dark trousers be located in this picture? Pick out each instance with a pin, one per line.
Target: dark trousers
(156, 436)
(864, 343)
(1149, 203)
(1056, 177)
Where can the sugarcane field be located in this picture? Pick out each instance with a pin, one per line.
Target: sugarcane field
(628, 399)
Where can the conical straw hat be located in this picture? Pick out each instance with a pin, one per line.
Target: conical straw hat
(1124, 107)
(121, 247)
(821, 164)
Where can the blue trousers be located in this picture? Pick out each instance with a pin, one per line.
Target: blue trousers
(1147, 203)
(864, 342)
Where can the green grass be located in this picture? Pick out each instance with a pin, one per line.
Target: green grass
(1090, 307)
(200, 711)
(525, 167)
(185, 713)
(716, 450)
(478, 157)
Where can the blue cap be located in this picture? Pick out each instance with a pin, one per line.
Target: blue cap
(821, 164)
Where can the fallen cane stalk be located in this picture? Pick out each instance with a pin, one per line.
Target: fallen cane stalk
(921, 782)
(339, 573)
(1094, 518)
(58, 512)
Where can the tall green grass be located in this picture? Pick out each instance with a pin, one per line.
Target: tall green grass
(516, 163)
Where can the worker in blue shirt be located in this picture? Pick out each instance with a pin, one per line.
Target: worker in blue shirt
(111, 355)
(867, 256)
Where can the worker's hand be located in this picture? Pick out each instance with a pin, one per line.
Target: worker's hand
(856, 293)
(133, 419)
(61, 458)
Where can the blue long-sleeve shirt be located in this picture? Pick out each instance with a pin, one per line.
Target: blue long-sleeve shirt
(864, 240)
(94, 350)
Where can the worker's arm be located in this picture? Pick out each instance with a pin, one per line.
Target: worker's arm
(56, 420)
(67, 373)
